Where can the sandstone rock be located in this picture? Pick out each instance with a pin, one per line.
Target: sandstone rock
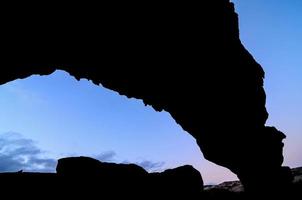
(128, 177)
(297, 173)
(85, 166)
(184, 58)
(184, 178)
(232, 186)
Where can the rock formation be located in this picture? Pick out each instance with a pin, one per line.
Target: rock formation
(183, 58)
(129, 177)
(83, 177)
(85, 166)
(234, 189)
(231, 186)
(297, 173)
(89, 178)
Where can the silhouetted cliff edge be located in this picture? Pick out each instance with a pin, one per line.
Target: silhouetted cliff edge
(181, 57)
(89, 178)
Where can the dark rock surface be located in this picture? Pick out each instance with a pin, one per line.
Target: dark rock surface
(130, 177)
(184, 58)
(87, 177)
(235, 188)
(231, 186)
(297, 173)
(85, 166)
(184, 178)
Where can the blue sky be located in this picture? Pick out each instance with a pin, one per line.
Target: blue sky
(67, 117)
(271, 30)
(64, 117)
(56, 116)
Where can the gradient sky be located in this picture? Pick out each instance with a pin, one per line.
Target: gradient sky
(58, 116)
(272, 31)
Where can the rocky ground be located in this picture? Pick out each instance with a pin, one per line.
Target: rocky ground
(297, 172)
(86, 178)
(235, 188)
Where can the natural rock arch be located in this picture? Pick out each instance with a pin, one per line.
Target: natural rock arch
(185, 59)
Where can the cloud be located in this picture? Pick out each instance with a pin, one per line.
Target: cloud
(148, 165)
(109, 156)
(151, 166)
(18, 153)
(106, 156)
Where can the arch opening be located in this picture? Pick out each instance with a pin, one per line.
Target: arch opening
(71, 118)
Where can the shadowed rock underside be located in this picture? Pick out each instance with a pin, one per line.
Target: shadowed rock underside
(186, 59)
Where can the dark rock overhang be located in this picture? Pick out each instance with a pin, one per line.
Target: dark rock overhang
(182, 58)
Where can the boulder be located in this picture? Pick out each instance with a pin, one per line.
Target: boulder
(75, 171)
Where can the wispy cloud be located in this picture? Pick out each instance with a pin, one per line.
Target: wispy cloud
(109, 156)
(148, 165)
(151, 166)
(18, 153)
(106, 156)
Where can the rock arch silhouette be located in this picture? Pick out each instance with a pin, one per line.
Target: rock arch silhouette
(185, 59)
